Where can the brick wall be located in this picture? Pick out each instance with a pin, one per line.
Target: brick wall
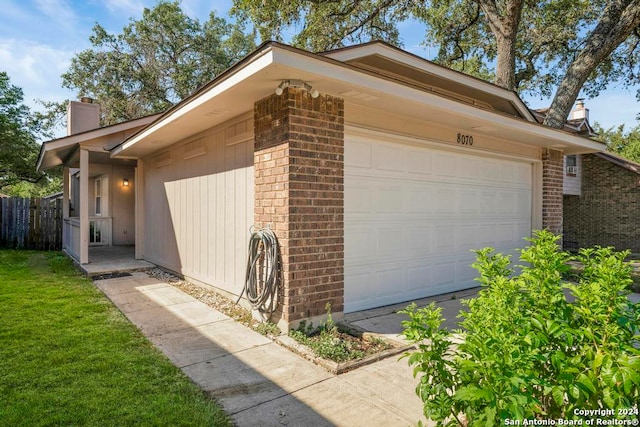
(608, 211)
(552, 182)
(299, 192)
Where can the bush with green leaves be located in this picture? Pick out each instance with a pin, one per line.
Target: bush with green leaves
(526, 350)
(325, 341)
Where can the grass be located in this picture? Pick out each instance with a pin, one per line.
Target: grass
(69, 357)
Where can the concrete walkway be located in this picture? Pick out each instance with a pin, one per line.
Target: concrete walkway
(257, 381)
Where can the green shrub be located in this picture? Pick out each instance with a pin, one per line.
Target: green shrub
(327, 341)
(524, 351)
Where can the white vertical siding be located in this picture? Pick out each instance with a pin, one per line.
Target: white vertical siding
(199, 205)
(572, 185)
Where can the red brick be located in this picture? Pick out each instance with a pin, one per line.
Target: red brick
(606, 212)
(299, 170)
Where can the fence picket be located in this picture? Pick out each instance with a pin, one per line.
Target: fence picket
(30, 223)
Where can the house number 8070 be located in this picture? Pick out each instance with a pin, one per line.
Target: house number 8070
(465, 139)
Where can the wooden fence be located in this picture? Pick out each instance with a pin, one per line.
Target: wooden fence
(30, 223)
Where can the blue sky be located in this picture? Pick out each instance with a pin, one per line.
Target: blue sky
(38, 38)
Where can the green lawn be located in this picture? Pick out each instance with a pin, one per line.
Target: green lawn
(69, 357)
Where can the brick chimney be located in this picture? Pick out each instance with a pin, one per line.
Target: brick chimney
(579, 112)
(82, 116)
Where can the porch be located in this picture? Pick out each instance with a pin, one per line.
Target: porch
(112, 259)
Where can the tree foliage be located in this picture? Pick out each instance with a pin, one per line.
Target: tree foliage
(542, 47)
(621, 142)
(18, 146)
(525, 352)
(155, 61)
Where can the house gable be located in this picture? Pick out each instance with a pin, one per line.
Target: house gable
(391, 62)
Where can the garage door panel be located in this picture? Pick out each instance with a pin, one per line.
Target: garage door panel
(419, 162)
(466, 237)
(389, 283)
(467, 168)
(390, 242)
(389, 158)
(523, 204)
(359, 244)
(360, 282)
(444, 165)
(389, 198)
(447, 199)
(419, 240)
(358, 155)
(468, 202)
(465, 274)
(359, 200)
(416, 277)
(420, 199)
(413, 215)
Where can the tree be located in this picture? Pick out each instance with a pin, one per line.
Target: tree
(544, 47)
(623, 143)
(18, 146)
(155, 62)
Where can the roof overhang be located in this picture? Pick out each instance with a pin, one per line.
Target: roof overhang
(620, 161)
(235, 92)
(57, 152)
(401, 62)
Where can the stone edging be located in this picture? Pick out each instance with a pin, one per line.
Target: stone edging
(342, 367)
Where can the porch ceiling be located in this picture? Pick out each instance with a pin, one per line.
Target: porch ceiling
(97, 157)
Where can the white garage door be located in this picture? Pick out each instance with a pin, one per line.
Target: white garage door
(414, 213)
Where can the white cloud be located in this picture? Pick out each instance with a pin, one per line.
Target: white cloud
(59, 11)
(130, 7)
(35, 68)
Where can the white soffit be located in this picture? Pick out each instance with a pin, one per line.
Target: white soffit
(336, 74)
(259, 76)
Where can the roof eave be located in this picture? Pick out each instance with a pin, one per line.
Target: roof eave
(410, 59)
(334, 72)
(71, 141)
(230, 76)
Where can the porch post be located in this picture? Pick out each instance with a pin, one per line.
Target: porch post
(138, 186)
(65, 192)
(84, 206)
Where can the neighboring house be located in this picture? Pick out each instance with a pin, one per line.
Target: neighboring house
(54, 196)
(602, 203)
(378, 171)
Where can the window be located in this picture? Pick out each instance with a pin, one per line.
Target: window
(571, 165)
(98, 196)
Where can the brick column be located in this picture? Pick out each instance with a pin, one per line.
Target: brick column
(299, 192)
(552, 182)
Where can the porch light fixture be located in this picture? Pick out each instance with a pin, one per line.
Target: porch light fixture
(125, 182)
(298, 84)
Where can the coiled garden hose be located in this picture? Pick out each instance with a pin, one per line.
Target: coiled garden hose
(263, 268)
